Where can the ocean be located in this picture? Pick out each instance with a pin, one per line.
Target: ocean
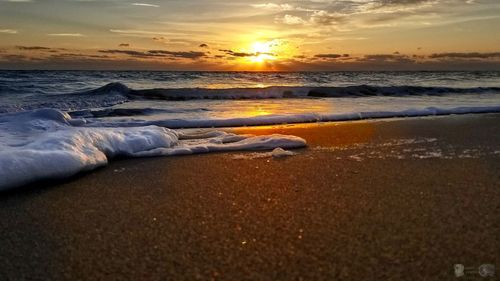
(54, 124)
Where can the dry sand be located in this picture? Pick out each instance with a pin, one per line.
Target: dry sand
(384, 200)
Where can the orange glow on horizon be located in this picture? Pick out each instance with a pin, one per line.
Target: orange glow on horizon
(263, 55)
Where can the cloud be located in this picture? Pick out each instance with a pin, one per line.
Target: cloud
(290, 20)
(163, 59)
(320, 17)
(145, 5)
(187, 55)
(13, 58)
(157, 54)
(233, 54)
(331, 56)
(124, 45)
(181, 41)
(355, 14)
(141, 33)
(237, 54)
(401, 2)
(71, 56)
(97, 62)
(131, 31)
(32, 48)
(386, 58)
(8, 31)
(473, 55)
(326, 18)
(127, 52)
(66, 34)
(273, 6)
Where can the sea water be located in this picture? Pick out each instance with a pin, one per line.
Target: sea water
(54, 124)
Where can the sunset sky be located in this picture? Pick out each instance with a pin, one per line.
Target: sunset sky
(250, 35)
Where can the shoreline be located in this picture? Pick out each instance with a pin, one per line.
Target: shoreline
(401, 199)
(301, 129)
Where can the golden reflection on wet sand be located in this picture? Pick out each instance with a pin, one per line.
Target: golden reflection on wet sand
(320, 134)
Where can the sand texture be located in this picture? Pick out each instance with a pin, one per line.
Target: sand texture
(384, 200)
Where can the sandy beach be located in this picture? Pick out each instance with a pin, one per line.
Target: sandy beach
(372, 200)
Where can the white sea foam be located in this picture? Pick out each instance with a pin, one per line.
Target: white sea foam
(274, 119)
(46, 144)
(419, 148)
(276, 153)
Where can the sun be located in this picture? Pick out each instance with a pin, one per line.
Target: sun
(262, 51)
(259, 54)
(259, 47)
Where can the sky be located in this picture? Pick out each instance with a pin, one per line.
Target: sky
(286, 35)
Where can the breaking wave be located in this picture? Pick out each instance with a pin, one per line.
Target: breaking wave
(118, 93)
(49, 144)
(284, 92)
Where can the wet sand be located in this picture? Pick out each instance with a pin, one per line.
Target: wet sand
(381, 200)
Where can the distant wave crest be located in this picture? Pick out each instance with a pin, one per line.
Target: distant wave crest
(284, 92)
(117, 93)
